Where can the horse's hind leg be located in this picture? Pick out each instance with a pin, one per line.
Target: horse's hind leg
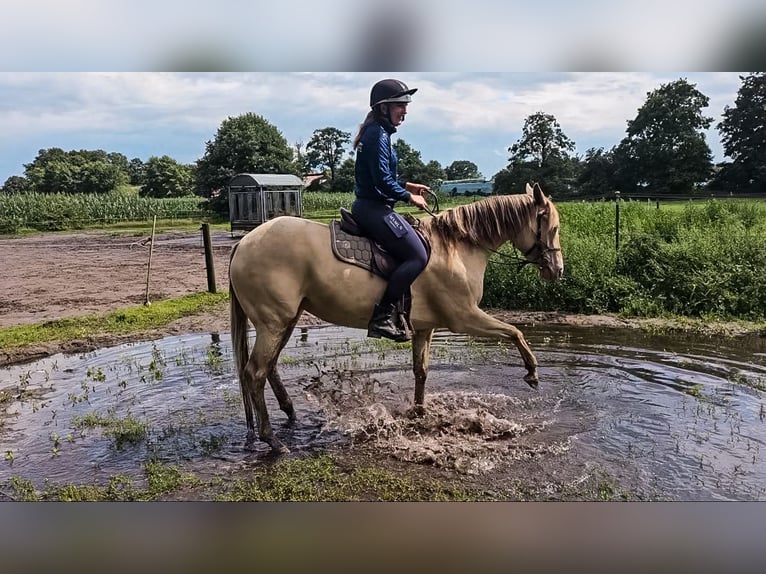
(261, 362)
(421, 354)
(283, 397)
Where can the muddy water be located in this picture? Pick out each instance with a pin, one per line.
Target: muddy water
(678, 418)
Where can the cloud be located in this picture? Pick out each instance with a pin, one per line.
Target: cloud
(473, 116)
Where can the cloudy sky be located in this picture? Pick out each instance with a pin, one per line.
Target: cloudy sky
(454, 116)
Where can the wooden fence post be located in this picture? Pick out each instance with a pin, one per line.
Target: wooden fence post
(149, 266)
(209, 267)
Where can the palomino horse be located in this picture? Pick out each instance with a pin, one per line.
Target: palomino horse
(286, 266)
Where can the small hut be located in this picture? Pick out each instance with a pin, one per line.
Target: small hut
(257, 197)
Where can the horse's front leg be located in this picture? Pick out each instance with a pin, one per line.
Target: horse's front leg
(421, 354)
(479, 324)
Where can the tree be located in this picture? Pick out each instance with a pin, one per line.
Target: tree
(665, 147)
(15, 184)
(462, 169)
(299, 159)
(743, 135)
(325, 149)
(120, 161)
(411, 167)
(346, 177)
(165, 177)
(85, 171)
(542, 141)
(243, 144)
(513, 179)
(598, 174)
(541, 154)
(136, 171)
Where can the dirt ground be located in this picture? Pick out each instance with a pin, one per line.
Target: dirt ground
(57, 275)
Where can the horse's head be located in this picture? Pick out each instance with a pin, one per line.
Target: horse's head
(541, 241)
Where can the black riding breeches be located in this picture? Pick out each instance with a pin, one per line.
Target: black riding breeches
(383, 225)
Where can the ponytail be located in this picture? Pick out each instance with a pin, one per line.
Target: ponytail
(371, 118)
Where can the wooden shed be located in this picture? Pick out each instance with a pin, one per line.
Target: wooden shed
(257, 197)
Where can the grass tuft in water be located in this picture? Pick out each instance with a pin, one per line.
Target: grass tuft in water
(124, 431)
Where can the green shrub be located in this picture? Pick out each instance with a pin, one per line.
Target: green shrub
(699, 260)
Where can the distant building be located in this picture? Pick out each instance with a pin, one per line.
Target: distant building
(466, 187)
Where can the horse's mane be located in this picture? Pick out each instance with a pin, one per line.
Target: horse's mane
(483, 223)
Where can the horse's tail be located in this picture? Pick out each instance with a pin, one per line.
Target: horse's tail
(239, 328)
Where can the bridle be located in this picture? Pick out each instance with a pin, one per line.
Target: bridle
(540, 246)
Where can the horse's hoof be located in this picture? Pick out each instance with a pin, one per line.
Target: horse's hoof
(277, 446)
(289, 410)
(532, 380)
(250, 441)
(416, 412)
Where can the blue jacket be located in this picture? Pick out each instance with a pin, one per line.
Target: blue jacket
(376, 165)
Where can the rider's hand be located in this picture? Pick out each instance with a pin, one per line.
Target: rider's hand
(417, 188)
(418, 200)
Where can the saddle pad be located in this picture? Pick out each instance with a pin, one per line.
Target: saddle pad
(351, 248)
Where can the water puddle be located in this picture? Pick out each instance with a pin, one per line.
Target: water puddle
(683, 418)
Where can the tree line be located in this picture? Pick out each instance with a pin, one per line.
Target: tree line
(664, 151)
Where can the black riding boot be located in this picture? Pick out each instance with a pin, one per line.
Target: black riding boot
(386, 323)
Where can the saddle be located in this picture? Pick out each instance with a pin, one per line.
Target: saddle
(351, 246)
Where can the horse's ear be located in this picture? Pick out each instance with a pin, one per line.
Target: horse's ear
(529, 189)
(540, 199)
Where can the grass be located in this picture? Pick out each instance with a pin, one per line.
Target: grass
(124, 321)
(126, 430)
(322, 478)
(161, 481)
(319, 478)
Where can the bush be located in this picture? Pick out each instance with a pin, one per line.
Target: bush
(703, 260)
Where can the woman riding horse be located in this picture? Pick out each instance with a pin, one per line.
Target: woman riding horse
(377, 191)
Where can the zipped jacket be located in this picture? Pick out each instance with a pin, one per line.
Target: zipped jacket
(376, 165)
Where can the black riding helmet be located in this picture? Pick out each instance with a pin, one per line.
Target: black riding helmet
(389, 91)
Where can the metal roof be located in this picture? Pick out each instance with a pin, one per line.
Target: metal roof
(266, 180)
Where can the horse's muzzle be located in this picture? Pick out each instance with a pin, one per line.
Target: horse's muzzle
(551, 273)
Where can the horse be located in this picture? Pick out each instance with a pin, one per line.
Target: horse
(285, 267)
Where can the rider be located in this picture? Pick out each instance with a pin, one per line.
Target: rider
(377, 191)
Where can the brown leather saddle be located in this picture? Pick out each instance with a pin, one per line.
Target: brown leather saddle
(351, 246)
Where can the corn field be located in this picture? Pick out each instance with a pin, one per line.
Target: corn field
(55, 212)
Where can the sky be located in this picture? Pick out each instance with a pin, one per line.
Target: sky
(472, 116)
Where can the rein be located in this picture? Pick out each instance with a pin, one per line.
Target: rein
(436, 205)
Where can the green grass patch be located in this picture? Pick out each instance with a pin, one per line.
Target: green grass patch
(317, 478)
(321, 478)
(162, 480)
(124, 321)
